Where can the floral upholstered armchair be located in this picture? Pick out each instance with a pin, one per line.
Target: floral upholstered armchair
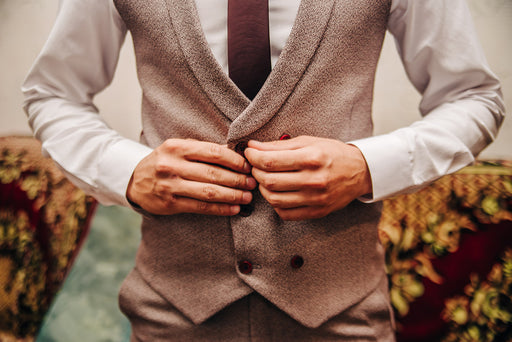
(449, 257)
(448, 251)
(43, 220)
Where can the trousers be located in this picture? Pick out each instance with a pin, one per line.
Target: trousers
(252, 318)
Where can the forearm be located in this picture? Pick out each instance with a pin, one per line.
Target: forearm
(93, 156)
(462, 105)
(77, 62)
(412, 157)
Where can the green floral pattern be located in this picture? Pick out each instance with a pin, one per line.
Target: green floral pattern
(484, 312)
(417, 228)
(43, 218)
(22, 298)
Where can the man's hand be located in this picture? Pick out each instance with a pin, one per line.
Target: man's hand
(308, 177)
(189, 176)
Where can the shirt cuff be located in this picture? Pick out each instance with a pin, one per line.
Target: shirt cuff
(116, 168)
(390, 164)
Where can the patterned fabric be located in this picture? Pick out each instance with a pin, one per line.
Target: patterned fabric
(43, 220)
(449, 248)
(449, 257)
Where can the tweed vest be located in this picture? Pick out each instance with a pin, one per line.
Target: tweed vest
(322, 86)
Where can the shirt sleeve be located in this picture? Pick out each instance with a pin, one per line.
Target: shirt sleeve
(462, 104)
(77, 62)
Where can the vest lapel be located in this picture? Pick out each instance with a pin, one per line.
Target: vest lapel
(247, 116)
(306, 34)
(216, 83)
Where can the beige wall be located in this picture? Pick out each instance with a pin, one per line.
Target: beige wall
(25, 24)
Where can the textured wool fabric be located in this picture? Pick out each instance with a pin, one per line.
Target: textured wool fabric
(252, 318)
(322, 86)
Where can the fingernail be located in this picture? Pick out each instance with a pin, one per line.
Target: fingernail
(247, 166)
(234, 209)
(250, 183)
(247, 197)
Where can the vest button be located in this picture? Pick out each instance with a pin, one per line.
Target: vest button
(297, 261)
(245, 267)
(246, 210)
(285, 137)
(240, 147)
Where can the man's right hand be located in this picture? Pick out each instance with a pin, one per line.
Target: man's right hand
(190, 176)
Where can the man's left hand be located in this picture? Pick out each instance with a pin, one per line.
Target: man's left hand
(308, 177)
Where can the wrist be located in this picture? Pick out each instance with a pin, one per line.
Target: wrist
(129, 194)
(364, 179)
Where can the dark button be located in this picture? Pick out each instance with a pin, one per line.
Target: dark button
(245, 267)
(285, 137)
(246, 210)
(240, 147)
(297, 261)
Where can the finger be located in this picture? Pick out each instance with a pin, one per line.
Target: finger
(292, 199)
(162, 206)
(277, 181)
(278, 161)
(292, 181)
(284, 159)
(163, 202)
(217, 154)
(280, 145)
(212, 174)
(301, 213)
(193, 206)
(207, 192)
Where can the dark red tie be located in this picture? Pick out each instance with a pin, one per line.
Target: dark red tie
(248, 44)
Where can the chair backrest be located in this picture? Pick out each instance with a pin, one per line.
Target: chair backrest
(43, 221)
(449, 256)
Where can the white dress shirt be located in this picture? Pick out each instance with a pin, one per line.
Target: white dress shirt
(461, 103)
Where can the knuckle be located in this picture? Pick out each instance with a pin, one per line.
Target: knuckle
(214, 151)
(170, 144)
(209, 192)
(222, 210)
(232, 196)
(239, 181)
(203, 207)
(268, 182)
(235, 197)
(170, 200)
(319, 181)
(212, 174)
(238, 196)
(161, 167)
(322, 198)
(161, 190)
(315, 159)
(268, 164)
